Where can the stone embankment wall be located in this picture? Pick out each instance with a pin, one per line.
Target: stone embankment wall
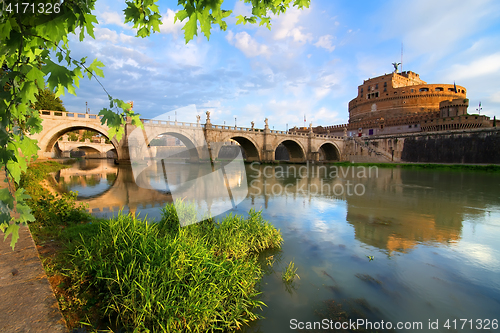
(461, 146)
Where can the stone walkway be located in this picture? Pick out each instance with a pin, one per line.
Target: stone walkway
(27, 302)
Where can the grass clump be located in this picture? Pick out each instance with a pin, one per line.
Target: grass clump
(289, 273)
(165, 278)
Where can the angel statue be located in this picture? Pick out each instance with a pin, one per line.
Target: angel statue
(396, 64)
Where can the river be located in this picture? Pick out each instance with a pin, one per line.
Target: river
(407, 247)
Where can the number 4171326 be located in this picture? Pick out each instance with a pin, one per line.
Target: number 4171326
(479, 324)
(31, 8)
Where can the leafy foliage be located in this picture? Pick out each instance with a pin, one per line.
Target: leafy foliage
(35, 54)
(47, 100)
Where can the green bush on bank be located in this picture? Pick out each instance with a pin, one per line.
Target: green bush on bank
(50, 210)
(166, 278)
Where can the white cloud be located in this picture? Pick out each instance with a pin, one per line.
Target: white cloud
(105, 34)
(241, 8)
(326, 42)
(113, 18)
(187, 54)
(325, 116)
(285, 26)
(439, 25)
(246, 44)
(495, 97)
(168, 26)
(486, 65)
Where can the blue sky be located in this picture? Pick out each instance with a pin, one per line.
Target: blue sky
(310, 63)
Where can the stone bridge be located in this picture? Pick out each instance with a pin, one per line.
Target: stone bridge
(95, 149)
(257, 144)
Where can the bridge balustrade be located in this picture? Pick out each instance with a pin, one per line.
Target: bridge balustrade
(169, 123)
(69, 114)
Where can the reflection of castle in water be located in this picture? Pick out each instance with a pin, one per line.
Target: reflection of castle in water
(403, 208)
(399, 208)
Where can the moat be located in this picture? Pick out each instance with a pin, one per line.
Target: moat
(398, 245)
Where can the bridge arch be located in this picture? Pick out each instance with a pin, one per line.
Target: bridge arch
(329, 152)
(295, 149)
(249, 146)
(49, 139)
(188, 143)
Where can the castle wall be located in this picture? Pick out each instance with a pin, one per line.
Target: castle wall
(466, 146)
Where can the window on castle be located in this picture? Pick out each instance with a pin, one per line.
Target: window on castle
(451, 89)
(385, 84)
(424, 89)
(439, 89)
(376, 86)
(385, 89)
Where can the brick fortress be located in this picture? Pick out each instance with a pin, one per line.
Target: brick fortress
(403, 103)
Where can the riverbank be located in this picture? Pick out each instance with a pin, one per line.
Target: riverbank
(125, 273)
(433, 166)
(405, 165)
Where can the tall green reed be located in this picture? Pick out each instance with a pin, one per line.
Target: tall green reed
(166, 278)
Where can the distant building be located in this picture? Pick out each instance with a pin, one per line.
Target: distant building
(402, 102)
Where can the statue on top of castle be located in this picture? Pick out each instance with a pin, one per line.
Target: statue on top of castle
(396, 64)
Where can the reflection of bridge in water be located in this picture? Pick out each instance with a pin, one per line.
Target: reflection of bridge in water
(124, 191)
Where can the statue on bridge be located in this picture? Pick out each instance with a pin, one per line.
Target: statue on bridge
(208, 116)
(253, 124)
(198, 119)
(267, 122)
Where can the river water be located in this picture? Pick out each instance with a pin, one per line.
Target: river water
(406, 247)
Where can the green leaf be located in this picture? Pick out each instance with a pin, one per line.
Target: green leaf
(191, 27)
(14, 230)
(94, 68)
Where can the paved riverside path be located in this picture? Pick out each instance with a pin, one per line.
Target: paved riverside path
(27, 302)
